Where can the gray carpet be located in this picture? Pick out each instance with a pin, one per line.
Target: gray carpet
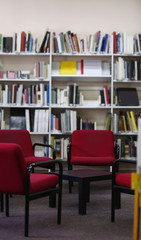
(93, 226)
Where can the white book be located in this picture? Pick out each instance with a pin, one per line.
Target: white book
(27, 120)
(130, 44)
(105, 68)
(58, 96)
(36, 116)
(121, 69)
(46, 120)
(92, 67)
(19, 42)
(59, 43)
(55, 68)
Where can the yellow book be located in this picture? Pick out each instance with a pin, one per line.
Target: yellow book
(135, 225)
(124, 123)
(52, 143)
(68, 68)
(129, 121)
(133, 121)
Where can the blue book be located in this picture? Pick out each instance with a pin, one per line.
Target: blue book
(105, 42)
(31, 44)
(52, 127)
(48, 95)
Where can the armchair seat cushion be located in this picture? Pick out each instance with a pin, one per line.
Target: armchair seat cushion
(92, 161)
(123, 179)
(33, 159)
(41, 182)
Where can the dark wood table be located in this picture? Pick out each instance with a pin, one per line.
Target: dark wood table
(84, 177)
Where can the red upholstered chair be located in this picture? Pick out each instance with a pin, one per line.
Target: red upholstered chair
(91, 148)
(22, 137)
(16, 178)
(121, 183)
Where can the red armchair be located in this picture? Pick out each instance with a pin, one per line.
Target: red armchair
(121, 183)
(22, 138)
(16, 178)
(91, 148)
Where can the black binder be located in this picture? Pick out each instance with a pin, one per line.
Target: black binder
(127, 97)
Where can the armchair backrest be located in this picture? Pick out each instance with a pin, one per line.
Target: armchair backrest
(12, 169)
(92, 145)
(21, 137)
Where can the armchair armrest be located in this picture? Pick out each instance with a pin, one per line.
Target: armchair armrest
(43, 164)
(45, 145)
(115, 167)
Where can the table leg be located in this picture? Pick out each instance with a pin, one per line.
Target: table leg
(82, 197)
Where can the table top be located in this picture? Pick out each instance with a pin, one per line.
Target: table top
(85, 173)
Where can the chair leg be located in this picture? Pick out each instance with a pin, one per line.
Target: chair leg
(7, 205)
(117, 200)
(59, 207)
(113, 206)
(70, 186)
(1, 202)
(26, 216)
(52, 201)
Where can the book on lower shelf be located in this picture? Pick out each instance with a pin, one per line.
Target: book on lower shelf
(17, 122)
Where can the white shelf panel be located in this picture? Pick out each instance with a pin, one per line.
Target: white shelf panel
(126, 134)
(39, 133)
(22, 106)
(24, 54)
(24, 80)
(126, 107)
(82, 54)
(80, 107)
(127, 81)
(82, 76)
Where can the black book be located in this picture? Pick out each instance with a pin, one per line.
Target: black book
(139, 69)
(127, 97)
(78, 122)
(71, 90)
(102, 96)
(132, 70)
(41, 50)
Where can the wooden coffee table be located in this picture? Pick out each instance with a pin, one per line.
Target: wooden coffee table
(84, 177)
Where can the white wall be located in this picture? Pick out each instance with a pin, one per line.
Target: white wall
(82, 17)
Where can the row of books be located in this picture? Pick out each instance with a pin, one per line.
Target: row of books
(72, 95)
(126, 43)
(127, 69)
(126, 122)
(68, 121)
(19, 94)
(60, 145)
(40, 70)
(68, 96)
(24, 42)
(126, 148)
(86, 67)
(70, 42)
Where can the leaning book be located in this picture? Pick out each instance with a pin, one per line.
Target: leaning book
(17, 122)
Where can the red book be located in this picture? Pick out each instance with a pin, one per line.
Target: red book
(82, 66)
(114, 42)
(23, 41)
(106, 92)
(57, 123)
